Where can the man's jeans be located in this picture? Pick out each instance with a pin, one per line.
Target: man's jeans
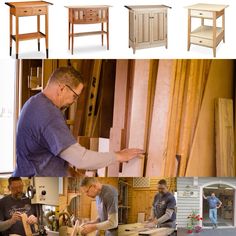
(213, 215)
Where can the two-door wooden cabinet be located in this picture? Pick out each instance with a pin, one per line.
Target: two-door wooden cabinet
(147, 26)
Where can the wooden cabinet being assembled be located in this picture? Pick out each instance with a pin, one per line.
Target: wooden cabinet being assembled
(147, 26)
(31, 8)
(205, 35)
(87, 15)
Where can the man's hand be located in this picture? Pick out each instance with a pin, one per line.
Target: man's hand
(128, 154)
(15, 217)
(151, 224)
(88, 228)
(32, 220)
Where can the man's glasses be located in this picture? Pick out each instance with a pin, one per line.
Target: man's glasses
(76, 95)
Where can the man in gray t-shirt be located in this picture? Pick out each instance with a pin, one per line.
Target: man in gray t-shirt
(11, 208)
(107, 206)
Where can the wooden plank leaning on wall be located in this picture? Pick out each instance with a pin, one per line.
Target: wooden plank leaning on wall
(225, 162)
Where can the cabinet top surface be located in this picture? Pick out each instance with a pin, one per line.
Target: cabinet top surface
(87, 6)
(28, 4)
(207, 7)
(146, 7)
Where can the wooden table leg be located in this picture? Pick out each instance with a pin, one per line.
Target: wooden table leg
(38, 28)
(72, 39)
(108, 33)
(17, 36)
(11, 33)
(102, 32)
(189, 29)
(214, 34)
(69, 35)
(223, 25)
(46, 34)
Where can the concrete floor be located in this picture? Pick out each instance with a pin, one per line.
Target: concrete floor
(209, 232)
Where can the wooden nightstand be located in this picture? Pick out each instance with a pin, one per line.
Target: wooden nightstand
(147, 26)
(87, 15)
(31, 8)
(208, 36)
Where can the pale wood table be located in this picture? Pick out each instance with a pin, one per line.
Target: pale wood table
(92, 14)
(137, 229)
(208, 36)
(31, 8)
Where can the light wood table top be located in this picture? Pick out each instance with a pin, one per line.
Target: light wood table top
(207, 7)
(88, 6)
(28, 4)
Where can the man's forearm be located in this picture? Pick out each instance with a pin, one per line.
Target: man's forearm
(166, 216)
(85, 159)
(111, 223)
(5, 225)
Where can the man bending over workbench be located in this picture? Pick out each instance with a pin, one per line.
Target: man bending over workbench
(107, 206)
(44, 144)
(13, 206)
(163, 208)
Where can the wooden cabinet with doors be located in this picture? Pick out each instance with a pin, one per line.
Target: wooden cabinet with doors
(147, 26)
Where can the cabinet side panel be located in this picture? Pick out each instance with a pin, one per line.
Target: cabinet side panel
(131, 25)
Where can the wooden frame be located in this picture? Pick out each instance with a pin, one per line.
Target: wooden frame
(22, 9)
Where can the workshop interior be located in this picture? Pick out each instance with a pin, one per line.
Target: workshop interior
(180, 112)
(136, 196)
(43, 195)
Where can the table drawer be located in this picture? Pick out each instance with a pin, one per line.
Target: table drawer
(27, 11)
(201, 41)
(40, 10)
(203, 14)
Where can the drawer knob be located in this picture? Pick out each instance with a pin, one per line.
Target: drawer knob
(25, 11)
(200, 41)
(200, 14)
(40, 10)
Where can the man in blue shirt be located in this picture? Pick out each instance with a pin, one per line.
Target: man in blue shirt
(44, 143)
(214, 204)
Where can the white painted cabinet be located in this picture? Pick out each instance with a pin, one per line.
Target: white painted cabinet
(147, 26)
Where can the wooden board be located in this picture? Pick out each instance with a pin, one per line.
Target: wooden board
(26, 226)
(138, 117)
(93, 213)
(202, 157)
(225, 162)
(117, 132)
(159, 123)
(139, 229)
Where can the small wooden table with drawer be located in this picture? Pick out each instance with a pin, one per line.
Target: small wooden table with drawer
(31, 8)
(87, 15)
(208, 36)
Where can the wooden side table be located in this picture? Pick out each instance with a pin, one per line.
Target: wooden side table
(147, 26)
(208, 36)
(31, 8)
(87, 15)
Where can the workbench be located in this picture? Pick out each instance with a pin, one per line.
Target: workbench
(31, 8)
(137, 229)
(87, 15)
(208, 36)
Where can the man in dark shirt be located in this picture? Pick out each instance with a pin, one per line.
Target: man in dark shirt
(214, 204)
(11, 208)
(163, 208)
(107, 206)
(45, 144)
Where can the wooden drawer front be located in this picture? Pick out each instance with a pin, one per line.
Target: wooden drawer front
(86, 16)
(27, 11)
(40, 10)
(203, 14)
(201, 41)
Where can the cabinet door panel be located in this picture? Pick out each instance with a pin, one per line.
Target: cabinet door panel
(159, 27)
(143, 28)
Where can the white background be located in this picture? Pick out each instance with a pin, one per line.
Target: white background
(90, 46)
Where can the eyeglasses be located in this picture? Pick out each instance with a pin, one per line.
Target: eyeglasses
(76, 95)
